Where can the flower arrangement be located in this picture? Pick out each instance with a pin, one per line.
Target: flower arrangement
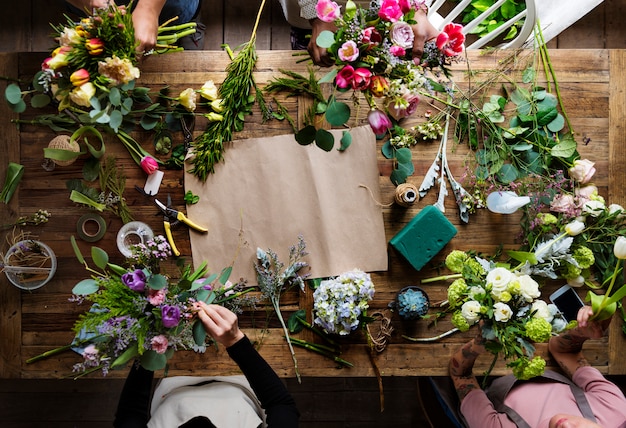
(340, 304)
(372, 49)
(506, 304)
(138, 313)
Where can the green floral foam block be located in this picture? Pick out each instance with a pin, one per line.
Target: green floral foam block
(425, 235)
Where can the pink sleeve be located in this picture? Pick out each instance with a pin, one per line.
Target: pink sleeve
(605, 398)
(480, 413)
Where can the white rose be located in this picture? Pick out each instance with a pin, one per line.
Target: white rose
(471, 311)
(499, 279)
(541, 310)
(528, 288)
(502, 312)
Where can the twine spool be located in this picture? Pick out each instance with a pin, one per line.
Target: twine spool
(64, 142)
(406, 194)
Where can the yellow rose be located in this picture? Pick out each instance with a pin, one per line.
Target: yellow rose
(83, 94)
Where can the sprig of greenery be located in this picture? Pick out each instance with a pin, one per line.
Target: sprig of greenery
(237, 101)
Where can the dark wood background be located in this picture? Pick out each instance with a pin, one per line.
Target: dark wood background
(327, 402)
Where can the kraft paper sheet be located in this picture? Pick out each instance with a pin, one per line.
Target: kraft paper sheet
(270, 190)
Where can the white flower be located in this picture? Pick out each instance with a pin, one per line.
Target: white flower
(574, 228)
(499, 279)
(471, 311)
(83, 94)
(593, 208)
(68, 37)
(578, 281)
(528, 288)
(475, 292)
(187, 99)
(209, 91)
(616, 208)
(541, 310)
(619, 248)
(502, 312)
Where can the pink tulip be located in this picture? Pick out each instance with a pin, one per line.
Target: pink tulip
(79, 77)
(327, 10)
(450, 40)
(370, 35)
(379, 121)
(94, 46)
(361, 79)
(390, 11)
(344, 77)
(149, 165)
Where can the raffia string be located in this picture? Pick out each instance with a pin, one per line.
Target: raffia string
(384, 327)
(406, 194)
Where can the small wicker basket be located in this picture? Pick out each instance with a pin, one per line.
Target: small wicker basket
(64, 142)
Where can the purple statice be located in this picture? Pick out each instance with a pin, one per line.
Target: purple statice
(122, 330)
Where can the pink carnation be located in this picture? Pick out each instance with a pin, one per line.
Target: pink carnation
(156, 297)
(397, 50)
(159, 344)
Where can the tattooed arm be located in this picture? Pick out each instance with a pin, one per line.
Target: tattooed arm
(461, 364)
(566, 348)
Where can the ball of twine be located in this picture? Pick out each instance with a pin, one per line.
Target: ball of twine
(65, 143)
(406, 194)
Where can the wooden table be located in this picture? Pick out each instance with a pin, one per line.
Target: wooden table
(591, 82)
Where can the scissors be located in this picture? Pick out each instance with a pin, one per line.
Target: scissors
(172, 217)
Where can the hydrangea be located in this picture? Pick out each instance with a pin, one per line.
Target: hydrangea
(584, 257)
(340, 303)
(456, 291)
(538, 330)
(459, 321)
(455, 260)
(527, 369)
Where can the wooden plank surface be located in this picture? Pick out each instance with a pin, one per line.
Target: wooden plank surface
(46, 315)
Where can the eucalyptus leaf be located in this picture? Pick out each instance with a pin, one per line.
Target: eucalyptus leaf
(403, 155)
(115, 97)
(388, 150)
(398, 176)
(85, 287)
(100, 257)
(557, 124)
(153, 361)
(20, 107)
(157, 282)
(148, 123)
(77, 252)
(507, 173)
(325, 39)
(346, 141)
(306, 135)
(115, 119)
(40, 100)
(564, 149)
(337, 113)
(329, 77)
(407, 167)
(324, 140)
(528, 76)
(13, 93)
(199, 333)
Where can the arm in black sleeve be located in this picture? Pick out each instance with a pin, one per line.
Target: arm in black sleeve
(133, 409)
(279, 405)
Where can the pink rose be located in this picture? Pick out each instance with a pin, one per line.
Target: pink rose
(348, 52)
(378, 121)
(582, 170)
(344, 77)
(156, 297)
(585, 194)
(149, 165)
(450, 40)
(327, 10)
(159, 344)
(564, 204)
(405, 5)
(361, 79)
(397, 51)
(401, 34)
(390, 11)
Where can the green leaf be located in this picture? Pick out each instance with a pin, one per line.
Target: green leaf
(225, 274)
(407, 167)
(117, 268)
(91, 169)
(60, 154)
(528, 76)
(388, 150)
(346, 140)
(324, 140)
(325, 39)
(115, 97)
(403, 155)
(293, 323)
(115, 119)
(306, 135)
(508, 173)
(77, 252)
(85, 287)
(152, 361)
(199, 333)
(100, 257)
(329, 77)
(338, 113)
(13, 94)
(523, 256)
(79, 198)
(557, 124)
(13, 177)
(157, 282)
(545, 116)
(40, 100)
(564, 149)
(20, 107)
(398, 176)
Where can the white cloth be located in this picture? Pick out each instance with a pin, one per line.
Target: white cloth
(227, 401)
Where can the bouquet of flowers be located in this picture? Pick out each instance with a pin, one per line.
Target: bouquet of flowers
(372, 49)
(138, 313)
(340, 304)
(506, 304)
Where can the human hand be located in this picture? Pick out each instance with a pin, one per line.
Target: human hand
(220, 323)
(319, 55)
(90, 4)
(146, 23)
(423, 31)
(591, 329)
(462, 362)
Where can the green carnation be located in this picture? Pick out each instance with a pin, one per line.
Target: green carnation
(584, 257)
(459, 321)
(538, 330)
(526, 369)
(456, 290)
(455, 261)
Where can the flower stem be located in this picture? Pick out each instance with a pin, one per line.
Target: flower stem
(282, 323)
(441, 278)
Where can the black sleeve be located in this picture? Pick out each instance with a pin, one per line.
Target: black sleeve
(133, 409)
(279, 405)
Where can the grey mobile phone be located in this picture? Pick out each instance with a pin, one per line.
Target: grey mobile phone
(567, 301)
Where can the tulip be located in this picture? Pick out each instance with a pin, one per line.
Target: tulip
(619, 248)
(582, 170)
(170, 316)
(379, 86)
(574, 228)
(327, 11)
(79, 77)
(450, 40)
(94, 46)
(135, 280)
(344, 77)
(149, 165)
(361, 79)
(390, 11)
(379, 121)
